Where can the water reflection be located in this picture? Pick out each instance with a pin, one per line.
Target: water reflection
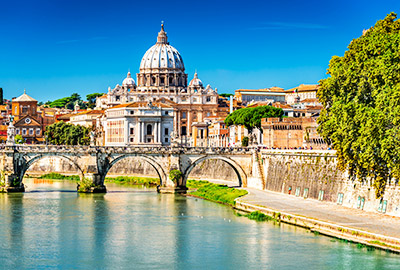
(140, 229)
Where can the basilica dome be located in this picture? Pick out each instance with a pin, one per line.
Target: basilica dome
(128, 81)
(196, 82)
(162, 55)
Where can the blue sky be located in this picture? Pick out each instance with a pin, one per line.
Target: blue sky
(55, 48)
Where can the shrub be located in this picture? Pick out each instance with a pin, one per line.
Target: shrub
(175, 176)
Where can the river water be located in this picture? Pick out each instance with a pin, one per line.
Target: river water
(51, 226)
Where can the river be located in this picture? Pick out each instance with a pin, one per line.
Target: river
(52, 226)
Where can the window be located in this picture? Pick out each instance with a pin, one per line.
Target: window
(24, 131)
(183, 133)
(149, 129)
(15, 110)
(116, 98)
(382, 206)
(340, 198)
(132, 112)
(132, 131)
(166, 131)
(297, 192)
(305, 193)
(166, 112)
(166, 140)
(208, 113)
(17, 131)
(321, 195)
(38, 131)
(131, 139)
(360, 202)
(208, 99)
(183, 115)
(31, 131)
(24, 109)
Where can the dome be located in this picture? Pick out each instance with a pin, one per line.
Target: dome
(196, 82)
(128, 81)
(162, 55)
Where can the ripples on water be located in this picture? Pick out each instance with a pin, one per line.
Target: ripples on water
(51, 226)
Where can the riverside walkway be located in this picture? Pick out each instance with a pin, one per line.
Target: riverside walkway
(374, 229)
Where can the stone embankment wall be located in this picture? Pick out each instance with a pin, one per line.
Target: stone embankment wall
(207, 170)
(314, 175)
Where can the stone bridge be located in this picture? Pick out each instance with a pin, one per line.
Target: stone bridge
(93, 162)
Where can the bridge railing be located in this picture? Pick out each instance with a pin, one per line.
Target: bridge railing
(124, 149)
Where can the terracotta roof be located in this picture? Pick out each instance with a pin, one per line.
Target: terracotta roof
(304, 88)
(309, 100)
(271, 89)
(103, 96)
(281, 105)
(24, 97)
(89, 112)
(141, 104)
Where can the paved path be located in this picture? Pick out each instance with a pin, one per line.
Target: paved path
(325, 211)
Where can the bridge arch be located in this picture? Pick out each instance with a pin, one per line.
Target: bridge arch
(242, 177)
(157, 167)
(40, 156)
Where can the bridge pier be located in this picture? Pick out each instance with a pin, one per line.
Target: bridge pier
(171, 190)
(13, 184)
(92, 183)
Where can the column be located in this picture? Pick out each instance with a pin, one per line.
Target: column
(142, 139)
(155, 132)
(159, 133)
(137, 130)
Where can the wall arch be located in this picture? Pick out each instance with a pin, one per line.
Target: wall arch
(157, 167)
(242, 177)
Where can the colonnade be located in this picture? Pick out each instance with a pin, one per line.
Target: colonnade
(155, 132)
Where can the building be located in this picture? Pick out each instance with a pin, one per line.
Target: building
(301, 92)
(86, 118)
(27, 121)
(138, 123)
(291, 132)
(162, 77)
(273, 94)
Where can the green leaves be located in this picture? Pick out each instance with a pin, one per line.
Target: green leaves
(62, 133)
(361, 100)
(251, 117)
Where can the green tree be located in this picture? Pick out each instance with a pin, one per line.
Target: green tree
(62, 133)
(361, 99)
(19, 139)
(91, 98)
(251, 117)
(226, 95)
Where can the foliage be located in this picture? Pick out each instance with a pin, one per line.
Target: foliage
(258, 216)
(133, 180)
(19, 139)
(66, 102)
(215, 192)
(361, 99)
(226, 95)
(62, 133)
(2, 179)
(91, 98)
(85, 185)
(251, 117)
(245, 141)
(54, 175)
(175, 175)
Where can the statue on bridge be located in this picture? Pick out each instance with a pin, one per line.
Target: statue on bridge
(11, 132)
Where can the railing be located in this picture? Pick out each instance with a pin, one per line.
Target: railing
(125, 149)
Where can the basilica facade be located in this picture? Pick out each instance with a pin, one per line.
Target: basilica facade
(162, 80)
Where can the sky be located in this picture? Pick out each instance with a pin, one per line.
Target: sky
(56, 48)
